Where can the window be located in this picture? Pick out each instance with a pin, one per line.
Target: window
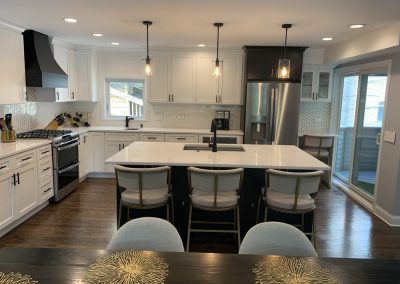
(125, 97)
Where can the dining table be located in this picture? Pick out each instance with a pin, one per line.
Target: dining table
(83, 265)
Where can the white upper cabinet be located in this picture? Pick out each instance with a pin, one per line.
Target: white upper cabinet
(12, 68)
(225, 89)
(173, 78)
(316, 83)
(66, 59)
(85, 76)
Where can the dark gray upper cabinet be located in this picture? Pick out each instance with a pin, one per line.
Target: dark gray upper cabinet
(262, 62)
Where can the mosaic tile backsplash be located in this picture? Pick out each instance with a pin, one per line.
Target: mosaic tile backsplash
(314, 118)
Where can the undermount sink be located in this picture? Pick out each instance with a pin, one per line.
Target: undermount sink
(201, 147)
(132, 128)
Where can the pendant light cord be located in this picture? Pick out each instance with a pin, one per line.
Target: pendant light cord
(217, 42)
(147, 27)
(284, 55)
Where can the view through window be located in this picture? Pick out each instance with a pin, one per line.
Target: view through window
(125, 97)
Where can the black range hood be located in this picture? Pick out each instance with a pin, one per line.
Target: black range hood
(41, 69)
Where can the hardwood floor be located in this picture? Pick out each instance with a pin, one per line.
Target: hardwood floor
(87, 219)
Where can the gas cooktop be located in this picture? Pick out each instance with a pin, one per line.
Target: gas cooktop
(45, 134)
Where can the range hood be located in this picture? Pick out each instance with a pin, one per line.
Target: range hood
(41, 69)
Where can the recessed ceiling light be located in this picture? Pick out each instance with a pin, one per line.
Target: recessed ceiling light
(327, 38)
(98, 35)
(115, 43)
(71, 20)
(201, 45)
(356, 26)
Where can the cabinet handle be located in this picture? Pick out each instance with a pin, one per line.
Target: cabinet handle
(48, 168)
(316, 95)
(151, 137)
(119, 147)
(58, 95)
(26, 159)
(84, 138)
(45, 152)
(169, 97)
(180, 138)
(220, 98)
(172, 97)
(123, 146)
(18, 178)
(216, 98)
(2, 167)
(73, 95)
(47, 190)
(13, 182)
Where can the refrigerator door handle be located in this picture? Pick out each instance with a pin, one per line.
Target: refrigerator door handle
(273, 128)
(272, 116)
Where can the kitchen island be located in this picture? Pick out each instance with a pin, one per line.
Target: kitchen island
(254, 159)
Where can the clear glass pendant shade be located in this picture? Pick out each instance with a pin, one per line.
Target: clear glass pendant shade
(284, 68)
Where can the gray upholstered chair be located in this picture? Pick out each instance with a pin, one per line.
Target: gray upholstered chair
(275, 238)
(214, 190)
(291, 192)
(144, 188)
(147, 233)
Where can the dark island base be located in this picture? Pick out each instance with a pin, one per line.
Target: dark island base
(253, 180)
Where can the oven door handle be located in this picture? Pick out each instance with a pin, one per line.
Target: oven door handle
(68, 146)
(68, 168)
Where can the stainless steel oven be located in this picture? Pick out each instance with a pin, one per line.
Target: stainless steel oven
(66, 168)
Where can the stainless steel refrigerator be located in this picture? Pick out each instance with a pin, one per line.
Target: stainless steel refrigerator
(272, 113)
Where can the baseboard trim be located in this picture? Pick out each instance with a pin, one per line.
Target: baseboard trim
(101, 175)
(18, 222)
(390, 219)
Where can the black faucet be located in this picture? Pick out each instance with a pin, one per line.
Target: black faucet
(127, 119)
(213, 143)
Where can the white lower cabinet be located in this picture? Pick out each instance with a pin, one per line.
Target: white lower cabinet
(97, 152)
(7, 212)
(85, 141)
(26, 189)
(115, 142)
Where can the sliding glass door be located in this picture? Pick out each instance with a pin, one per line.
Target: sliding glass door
(360, 123)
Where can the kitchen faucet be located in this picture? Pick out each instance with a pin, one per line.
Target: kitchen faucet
(127, 119)
(213, 144)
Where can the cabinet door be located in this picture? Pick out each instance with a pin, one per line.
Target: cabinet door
(97, 152)
(26, 190)
(110, 149)
(159, 87)
(307, 91)
(84, 154)
(230, 85)
(72, 75)
(182, 78)
(12, 68)
(61, 57)
(85, 79)
(206, 83)
(323, 79)
(7, 212)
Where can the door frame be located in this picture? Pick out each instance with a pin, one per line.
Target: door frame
(339, 74)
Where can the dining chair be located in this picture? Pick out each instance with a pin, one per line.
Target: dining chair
(319, 147)
(276, 238)
(215, 191)
(292, 193)
(147, 233)
(144, 188)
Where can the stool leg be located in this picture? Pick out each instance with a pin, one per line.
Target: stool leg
(172, 209)
(189, 228)
(238, 226)
(266, 213)
(258, 208)
(167, 205)
(119, 216)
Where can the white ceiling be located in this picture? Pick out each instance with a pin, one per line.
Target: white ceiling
(185, 23)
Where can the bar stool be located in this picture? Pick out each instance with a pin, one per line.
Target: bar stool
(292, 193)
(214, 190)
(144, 188)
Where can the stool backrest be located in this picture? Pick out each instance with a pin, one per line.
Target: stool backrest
(214, 181)
(318, 141)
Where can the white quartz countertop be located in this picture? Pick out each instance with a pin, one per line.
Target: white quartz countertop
(254, 156)
(81, 130)
(21, 145)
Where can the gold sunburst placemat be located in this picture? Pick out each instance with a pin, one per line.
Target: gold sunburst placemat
(128, 267)
(16, 278)
(291, 270)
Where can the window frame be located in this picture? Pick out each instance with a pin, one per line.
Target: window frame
(131, 78)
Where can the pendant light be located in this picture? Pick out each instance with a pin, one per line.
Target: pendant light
(147, 68)
(217, 70)
(284, 63)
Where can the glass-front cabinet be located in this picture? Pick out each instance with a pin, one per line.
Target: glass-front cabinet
(316, 83)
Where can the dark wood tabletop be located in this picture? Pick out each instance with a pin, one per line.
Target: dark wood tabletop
(70, 265)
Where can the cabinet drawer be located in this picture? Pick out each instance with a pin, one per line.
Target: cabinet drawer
(5, 165)
(184, 138)
(46, 188)
(45, 168)
(154, 137)
(121, 137)
(25, 158)
(43, 152)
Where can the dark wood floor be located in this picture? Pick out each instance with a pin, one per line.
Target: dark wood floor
(87, 219)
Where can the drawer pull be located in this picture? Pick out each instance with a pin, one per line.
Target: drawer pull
(48, 168)
(2, 167)
(47, 190)
(151, 137)
(26, 159)
(180, 138)
(45, 152)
